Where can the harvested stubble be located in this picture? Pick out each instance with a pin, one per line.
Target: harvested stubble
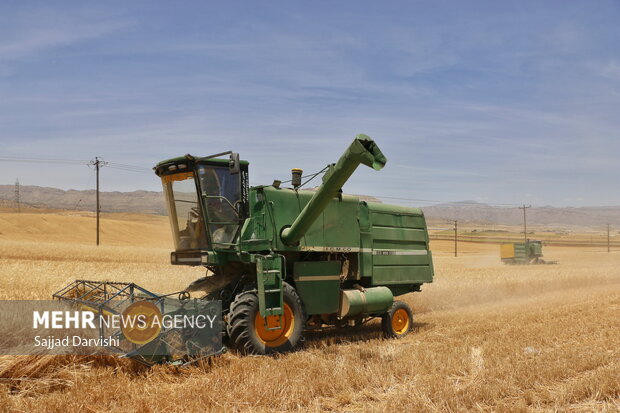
(487, 338)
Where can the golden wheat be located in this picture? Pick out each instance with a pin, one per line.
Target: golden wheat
(487, 337)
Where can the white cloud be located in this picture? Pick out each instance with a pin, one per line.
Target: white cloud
(32, 34)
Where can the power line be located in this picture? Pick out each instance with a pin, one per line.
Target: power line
(122, 168)
(124, 165)
(44, 160)
(129, 168)
(114, 165)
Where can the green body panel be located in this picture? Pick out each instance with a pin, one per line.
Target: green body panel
(397, 235)
(318, 283)
(399, 260)
(273, 209)
(400, 274)
(365, 259)
(401, 255)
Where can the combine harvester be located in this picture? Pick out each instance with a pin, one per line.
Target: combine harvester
(523, 253)
(280, 260)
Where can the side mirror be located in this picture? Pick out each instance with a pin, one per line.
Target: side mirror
(234, 163)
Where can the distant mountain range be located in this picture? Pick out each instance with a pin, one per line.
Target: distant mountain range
(546, 215)
(151, 202)
(148, 202)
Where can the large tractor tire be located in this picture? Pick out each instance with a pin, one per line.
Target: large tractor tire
(397, 322)
(247, 329)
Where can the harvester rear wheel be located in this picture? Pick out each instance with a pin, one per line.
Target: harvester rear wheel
(397, 321)
(249, 332)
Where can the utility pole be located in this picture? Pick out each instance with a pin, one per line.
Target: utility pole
(17, 195)
(524, 207)
(607, 237)
(98, 205)
(456, 223)
(98, 163)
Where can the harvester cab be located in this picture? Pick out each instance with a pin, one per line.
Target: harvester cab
(207, 202)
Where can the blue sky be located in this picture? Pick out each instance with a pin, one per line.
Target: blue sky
(500, 102)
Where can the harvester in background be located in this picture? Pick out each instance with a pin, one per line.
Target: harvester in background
(284, 260)
(522, 253)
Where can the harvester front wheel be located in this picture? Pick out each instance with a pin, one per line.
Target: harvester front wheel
(397, 321)
(251, 333)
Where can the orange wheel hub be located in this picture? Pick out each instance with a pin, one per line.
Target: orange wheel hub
(279, 336)
(400, 321)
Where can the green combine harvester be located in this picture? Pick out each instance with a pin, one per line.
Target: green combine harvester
(523, 253)
(285, 260)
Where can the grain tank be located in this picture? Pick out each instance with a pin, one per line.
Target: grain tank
(284, 260)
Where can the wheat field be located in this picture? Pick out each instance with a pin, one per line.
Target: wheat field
(487, 337)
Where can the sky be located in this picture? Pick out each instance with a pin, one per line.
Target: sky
(496, 102)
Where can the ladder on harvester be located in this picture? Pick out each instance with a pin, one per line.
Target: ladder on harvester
(270, 273)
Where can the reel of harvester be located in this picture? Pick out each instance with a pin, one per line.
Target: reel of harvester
(148, 327)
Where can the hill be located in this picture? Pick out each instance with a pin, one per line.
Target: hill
(147, 202)
(546, 215)
(152, 202)
(143, 202)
